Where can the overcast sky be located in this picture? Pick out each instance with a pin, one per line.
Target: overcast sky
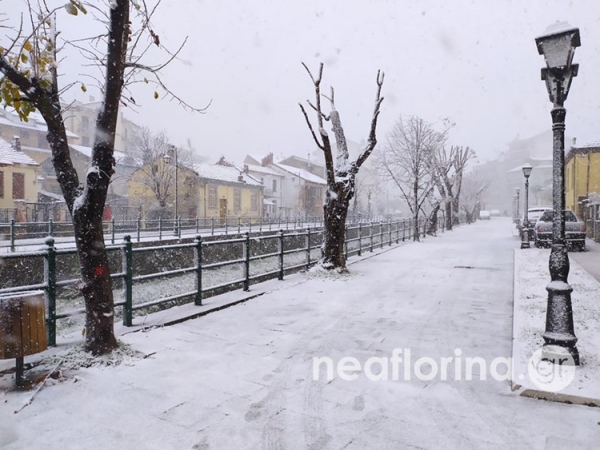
(474, 62)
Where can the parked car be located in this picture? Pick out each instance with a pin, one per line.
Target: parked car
(536, 212)
(574, 230)
(533, 214)
(484, 215)
(495, 213)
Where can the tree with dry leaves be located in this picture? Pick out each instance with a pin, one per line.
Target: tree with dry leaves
(341, 173)
(29, 65)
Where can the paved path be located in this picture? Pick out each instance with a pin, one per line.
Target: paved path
(242, 378)
(590, 259)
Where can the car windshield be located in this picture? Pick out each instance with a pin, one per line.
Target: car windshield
(547, 216)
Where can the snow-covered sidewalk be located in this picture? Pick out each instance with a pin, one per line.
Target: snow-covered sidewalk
(577, 385)
(242, 378)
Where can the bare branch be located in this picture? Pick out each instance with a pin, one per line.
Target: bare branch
(312, 132)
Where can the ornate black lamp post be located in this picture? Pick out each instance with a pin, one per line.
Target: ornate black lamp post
(525, 234)
(517, 190)
(558, 45)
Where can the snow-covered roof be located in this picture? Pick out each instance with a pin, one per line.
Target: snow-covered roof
(304, 174)
(36, 122)
(120, 157)
(595, 144)
(52, 195)
(10, 156)
(224, 173)
(261, 169)
(520, 168)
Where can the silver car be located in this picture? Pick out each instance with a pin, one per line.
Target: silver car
(575, 230)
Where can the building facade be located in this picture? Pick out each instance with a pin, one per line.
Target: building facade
(18, 179)
(582, 177)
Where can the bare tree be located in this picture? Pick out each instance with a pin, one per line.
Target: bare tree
(460, 159)
(449, 166)
(473, 188)
(30, 82)
(341, 175)
(405, 159)
(155, 157)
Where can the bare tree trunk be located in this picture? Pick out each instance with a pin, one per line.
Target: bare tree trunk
(416, 211)
(433, 222)
(335, 213)
(455, 211)
(448, 215)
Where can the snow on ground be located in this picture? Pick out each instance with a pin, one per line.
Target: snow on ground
(531, 278)
(242, 378)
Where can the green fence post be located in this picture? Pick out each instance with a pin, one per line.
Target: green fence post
(307, 243)
(226, 223)
(381, 234)
(239, 226)
(397, 232)
(247, 262)
(159, 229)
(12, 235)
(50, 227)
(359, 238)
(346, 242)
(112, 231)
(50, 282)
(198, 262)
(212, 226)
(127, 264)
(197, 225)
(260, 224)
(371, 234)
(138, 227)
(280, 249)
(179, 227)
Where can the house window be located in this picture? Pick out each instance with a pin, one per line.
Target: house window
(254, 201)
(1, 184)
(274, 185)
(237, 200)
(18, 180)
(212, 197)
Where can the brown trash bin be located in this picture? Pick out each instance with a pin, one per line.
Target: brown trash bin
(22, 327)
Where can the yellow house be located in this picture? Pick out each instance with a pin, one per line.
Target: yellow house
(582, 176)
(153, 187)
(226, 191)
(18, 175)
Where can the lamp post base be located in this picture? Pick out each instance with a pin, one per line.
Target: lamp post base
(559, 319)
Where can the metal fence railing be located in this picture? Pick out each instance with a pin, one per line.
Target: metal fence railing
(15, 234)
(192, 271)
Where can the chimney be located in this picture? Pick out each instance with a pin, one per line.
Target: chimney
(241, 178)
(16, 143)
(267, 160)
(246, 168)
(574, 142)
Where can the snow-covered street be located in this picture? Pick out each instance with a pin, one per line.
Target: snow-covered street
(242, 378)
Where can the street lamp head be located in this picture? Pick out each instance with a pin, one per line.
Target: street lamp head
(518, 190)
(527, 170)
(557, 44)
(167, 158)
